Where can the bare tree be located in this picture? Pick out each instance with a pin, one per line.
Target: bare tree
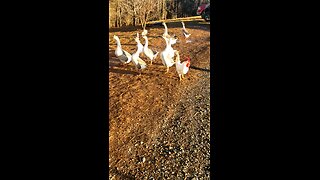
(164, 9)
(112, 13)
(134, 12)
(147, 10)
(132, 8)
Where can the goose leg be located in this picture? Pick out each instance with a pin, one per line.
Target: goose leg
(180, 77)
(167, 70)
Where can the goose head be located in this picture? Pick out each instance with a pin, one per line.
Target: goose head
(140, 46)
(172, 41)
(137, 39)
(145, 38)
(116, 38)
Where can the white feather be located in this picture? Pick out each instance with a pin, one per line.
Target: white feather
(148, 52)
(122, 55)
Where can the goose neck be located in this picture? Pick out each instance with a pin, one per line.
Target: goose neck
(168, 44)
(118, 43)
(139, 50)
(166, 29)
(146, 45)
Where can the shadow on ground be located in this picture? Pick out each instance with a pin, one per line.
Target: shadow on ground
(115, 66)
(201, 69)
(122, 175)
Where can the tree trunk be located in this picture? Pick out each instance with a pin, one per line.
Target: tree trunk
(120, 17)
(117, 17)
(176, 4)
(133, 21)
(158, 9)
(164, 14)
(145, 20)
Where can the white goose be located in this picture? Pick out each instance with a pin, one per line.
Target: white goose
(137, 61)
(167, 55)
(184, 31)
(148, 52)
(166, 35)
(122, 55)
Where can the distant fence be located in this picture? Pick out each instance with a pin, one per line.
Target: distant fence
(192, 18)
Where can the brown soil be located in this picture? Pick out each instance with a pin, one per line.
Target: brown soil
(159, 127)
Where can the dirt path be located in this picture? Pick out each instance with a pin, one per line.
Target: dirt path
(159, 127)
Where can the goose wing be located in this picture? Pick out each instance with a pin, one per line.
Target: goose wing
(185, 31)
(141, 63)
(153, 51)
(168, 59)
(126, 53)
(148, 52)
(125, 57)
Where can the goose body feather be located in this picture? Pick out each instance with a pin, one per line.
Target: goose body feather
(121, 54)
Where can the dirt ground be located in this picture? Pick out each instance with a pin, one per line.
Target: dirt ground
(159, 127)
